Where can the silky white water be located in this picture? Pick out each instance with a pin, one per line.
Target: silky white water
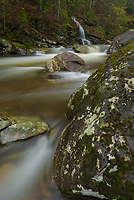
(18, 183)
(82, 33)
(27, 92)
(95, 56)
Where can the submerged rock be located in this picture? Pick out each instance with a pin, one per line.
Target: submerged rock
(121, 41)
(65, 62)
(95, 153)
(22, 131)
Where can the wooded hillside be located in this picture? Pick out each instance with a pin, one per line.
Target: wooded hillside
(24, 20)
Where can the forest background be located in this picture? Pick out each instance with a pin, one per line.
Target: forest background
(27, 21)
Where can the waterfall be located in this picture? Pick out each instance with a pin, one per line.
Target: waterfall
(82, 33)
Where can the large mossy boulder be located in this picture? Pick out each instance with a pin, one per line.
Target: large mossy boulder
(121, 41)
(65, 62)
(95, 153)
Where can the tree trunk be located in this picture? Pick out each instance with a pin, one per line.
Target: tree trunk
(4, 16)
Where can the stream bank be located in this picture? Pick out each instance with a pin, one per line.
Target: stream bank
(56, 37)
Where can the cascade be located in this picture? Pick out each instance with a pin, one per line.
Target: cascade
(82, 33)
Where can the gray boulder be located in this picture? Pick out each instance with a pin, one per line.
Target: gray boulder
(65, 62)
(81, 48)
(121, 41)
(95, 153)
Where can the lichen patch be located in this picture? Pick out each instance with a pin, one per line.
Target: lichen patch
(110, 157)
(114, 78)
(114, 99)
(88, 192)
(85, 93)
(126, 158)
(73, 172)
(114, 169)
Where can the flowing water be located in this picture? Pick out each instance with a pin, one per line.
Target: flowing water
(82, 33)
(27, 92)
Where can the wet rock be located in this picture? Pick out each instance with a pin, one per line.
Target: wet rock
(41, 45)
(20, 50)
(5, 122)
(95, 153)
(65, 62)
(46, 43)
(5, 46)
(31, 51)
(121, 41)
(13, 48)
(10, 48)
(61, 39)
(81, 48)
(22, 131)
